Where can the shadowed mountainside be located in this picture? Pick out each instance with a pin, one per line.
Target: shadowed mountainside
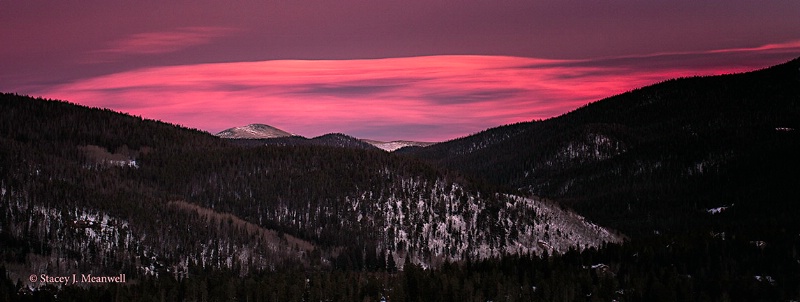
(656, 157)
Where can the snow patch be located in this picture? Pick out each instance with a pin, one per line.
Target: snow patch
(131, 163)
(718, 210)
(394, 145)
(768, 279)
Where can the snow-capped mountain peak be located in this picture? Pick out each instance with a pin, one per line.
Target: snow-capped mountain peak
(253, 131)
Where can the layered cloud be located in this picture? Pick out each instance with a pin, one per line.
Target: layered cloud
(422, 98)
(161, 42)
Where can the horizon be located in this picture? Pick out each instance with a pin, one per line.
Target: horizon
(385, 71)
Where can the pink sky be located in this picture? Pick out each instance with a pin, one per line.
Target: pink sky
(387, 70)
(434, 97)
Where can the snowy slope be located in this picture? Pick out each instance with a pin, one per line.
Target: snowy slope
(253, 131)
(394, 145)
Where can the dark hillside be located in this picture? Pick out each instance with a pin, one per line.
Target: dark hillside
(656, 157)
(61, 123)
(96, 191)
(338, 140)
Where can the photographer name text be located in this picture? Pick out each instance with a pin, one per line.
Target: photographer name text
(77, 278)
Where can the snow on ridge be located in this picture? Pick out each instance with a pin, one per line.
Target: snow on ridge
(447, 223)
(131, 163)
(767, 279)
(718, 210)
(394, 145)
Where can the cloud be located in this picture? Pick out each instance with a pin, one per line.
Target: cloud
(158, 42)
(392, 98)
(474, 96)
(722, 59)
(353, 89)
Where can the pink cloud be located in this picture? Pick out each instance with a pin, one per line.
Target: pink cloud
(158, 42)
(430, 98)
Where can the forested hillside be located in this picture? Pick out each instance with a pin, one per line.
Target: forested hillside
(656, 158)
(331, 140)
(93, 191)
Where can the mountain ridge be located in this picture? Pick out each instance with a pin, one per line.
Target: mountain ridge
(354, 207)
(392, 146)
(267, 132)
(609, 157)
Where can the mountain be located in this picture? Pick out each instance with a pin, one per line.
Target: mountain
(338, 140)
(89, 190)
(267, 135)
(655, 159)
(700, 173)
(395, 145)
(253, 131)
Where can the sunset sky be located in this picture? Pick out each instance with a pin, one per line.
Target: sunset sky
(380, 69)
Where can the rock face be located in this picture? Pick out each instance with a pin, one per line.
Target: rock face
(253, 131)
